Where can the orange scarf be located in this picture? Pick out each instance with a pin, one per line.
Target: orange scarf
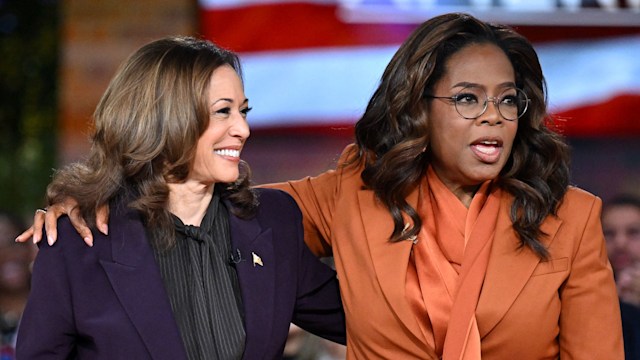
(448, 265)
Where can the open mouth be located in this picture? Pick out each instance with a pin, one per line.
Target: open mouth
(487, 151)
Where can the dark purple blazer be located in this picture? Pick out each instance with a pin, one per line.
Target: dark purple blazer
(109, 301)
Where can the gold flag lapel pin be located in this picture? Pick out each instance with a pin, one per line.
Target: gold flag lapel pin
(256, 259)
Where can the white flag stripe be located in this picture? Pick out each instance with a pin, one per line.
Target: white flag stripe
(306, 87)
(579, 73)
(296, 87)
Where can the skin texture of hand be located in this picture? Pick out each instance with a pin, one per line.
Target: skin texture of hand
(50, 218)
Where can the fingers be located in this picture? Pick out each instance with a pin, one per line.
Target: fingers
(25, 236)
(35, 231)
(49, 218)
(80, 225)
(38, 221)
(51, 222)
(102, 218)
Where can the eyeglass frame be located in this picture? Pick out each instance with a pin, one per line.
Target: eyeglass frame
(493, 99)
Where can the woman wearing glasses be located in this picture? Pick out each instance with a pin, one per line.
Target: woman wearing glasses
(453, 227)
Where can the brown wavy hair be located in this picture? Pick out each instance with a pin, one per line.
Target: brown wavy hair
(146, 128)
(392, 133)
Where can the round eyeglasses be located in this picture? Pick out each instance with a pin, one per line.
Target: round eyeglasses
(472, 101)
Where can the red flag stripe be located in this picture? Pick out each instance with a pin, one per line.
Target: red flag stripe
(281, 26)
(292, 25)
(614, 117)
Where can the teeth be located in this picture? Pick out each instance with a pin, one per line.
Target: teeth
(228, 152)
(490, 142)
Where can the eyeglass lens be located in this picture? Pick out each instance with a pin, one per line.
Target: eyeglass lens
(472, 101)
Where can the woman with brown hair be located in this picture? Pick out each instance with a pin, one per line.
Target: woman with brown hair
(453, 227)
(197, 265)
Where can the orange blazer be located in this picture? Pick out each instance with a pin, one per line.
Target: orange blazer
(565, 308)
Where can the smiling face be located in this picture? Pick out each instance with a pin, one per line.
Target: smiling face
(218, 149)
(466, 152)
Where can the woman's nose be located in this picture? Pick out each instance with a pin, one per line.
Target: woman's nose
(491, 113)
(240, 127)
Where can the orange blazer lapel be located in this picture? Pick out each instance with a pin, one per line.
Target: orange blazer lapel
(509, 269)
(390, 260)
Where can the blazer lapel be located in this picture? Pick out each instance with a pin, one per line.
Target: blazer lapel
(137, 282)
(256, 274)
(390, 260)
(509, 269)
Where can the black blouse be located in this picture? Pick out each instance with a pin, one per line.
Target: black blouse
(203, 287)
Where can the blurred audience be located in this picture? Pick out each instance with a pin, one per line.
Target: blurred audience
(15, 275)
(621, 225)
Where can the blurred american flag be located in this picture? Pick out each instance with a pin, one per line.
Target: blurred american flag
(316, 63)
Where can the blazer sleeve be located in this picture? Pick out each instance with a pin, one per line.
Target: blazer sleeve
(590, 323)
(47, 326)
(318, 307)
(317, 199)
